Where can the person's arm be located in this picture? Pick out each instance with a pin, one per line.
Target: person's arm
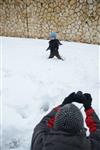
(48, 47)
(93, 123)
(59, 43)
(92, 120)
(42, 129)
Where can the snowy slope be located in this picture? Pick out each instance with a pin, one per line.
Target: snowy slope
(33, 84)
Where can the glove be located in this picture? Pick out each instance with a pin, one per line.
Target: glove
(79, 97)
(84, 99)
(74, 97)
(87, 101)
(69, 99)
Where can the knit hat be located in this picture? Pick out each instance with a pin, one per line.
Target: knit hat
(69, 119)
(53, 35)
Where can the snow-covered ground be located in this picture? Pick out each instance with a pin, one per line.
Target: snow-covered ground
(31, 84)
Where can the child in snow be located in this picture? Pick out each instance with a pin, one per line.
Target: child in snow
(54, 46)
(63, 128)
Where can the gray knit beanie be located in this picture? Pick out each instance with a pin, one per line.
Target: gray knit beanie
(69, 119)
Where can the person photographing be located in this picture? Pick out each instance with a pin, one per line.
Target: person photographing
(63, 128)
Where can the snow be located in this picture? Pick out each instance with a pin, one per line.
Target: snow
(32, 84)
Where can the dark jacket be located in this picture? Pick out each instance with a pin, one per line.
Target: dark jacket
(54, 44)
(45, 137)
(60, 140)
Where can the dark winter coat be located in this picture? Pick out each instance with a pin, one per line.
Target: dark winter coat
(60, 140)
(54, 45)
(45, 137)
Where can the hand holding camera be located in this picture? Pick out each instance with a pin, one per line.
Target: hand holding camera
(79, 97)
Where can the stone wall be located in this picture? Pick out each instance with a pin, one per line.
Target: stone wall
(73, 20)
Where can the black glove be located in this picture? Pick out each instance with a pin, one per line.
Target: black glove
(84, 99)
(87, 101)
(69, 99)
(79, 97)
(74, 97)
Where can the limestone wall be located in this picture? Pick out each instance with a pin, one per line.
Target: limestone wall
(73, 20)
